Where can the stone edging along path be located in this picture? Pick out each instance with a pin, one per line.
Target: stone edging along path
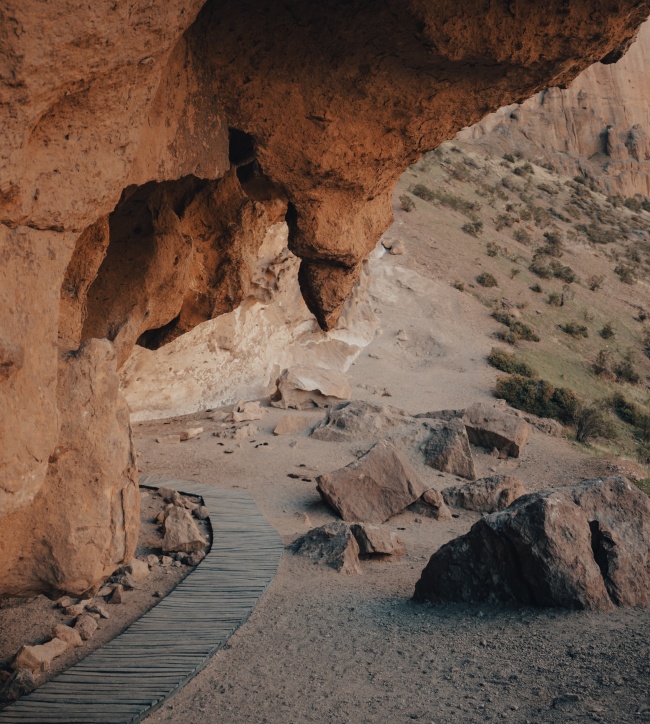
(132, 675)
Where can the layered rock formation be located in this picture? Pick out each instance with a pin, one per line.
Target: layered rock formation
(145, 151)
(598, 127)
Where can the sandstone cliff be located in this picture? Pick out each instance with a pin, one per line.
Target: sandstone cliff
(145, 149)
(598, 127)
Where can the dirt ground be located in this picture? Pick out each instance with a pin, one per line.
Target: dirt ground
(326, 647)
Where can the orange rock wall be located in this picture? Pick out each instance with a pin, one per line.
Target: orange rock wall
(182, 132)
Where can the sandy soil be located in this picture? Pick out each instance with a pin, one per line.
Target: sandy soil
(326, 647)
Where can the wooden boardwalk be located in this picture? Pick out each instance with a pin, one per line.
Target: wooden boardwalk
(132, 675)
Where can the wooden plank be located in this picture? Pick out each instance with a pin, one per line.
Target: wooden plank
(132, 675)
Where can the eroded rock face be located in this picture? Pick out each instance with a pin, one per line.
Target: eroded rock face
(158, 126)
(582, 547)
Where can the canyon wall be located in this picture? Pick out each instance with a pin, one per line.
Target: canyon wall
(598, 127)
(145, 151)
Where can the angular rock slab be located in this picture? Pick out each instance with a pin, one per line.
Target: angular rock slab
(580, 547)
(432, 505)
(302, 388)
(448, 450)
(491, 427)
(374, 540)
(373, 488)
(332, 545)
(486, 495)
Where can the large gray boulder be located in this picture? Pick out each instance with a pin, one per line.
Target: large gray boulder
(373, 488)
(332, 545)
(581, 547)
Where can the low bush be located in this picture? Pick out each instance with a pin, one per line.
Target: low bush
(457, 203)
(607, 332)
(626, 372)
(524, 170)
(406, 203)
(510, 363)
(591, 422)
(604, 364)
(554, 245)
(595, 282)
(503, 221)
(625, 273)
(492, 249)
(597, 234)
(539, 397)
(518, 329)
(537, 289)
(473, 228)
(554, 299)
(485, 279)
(574, 329)
(459, 285)
(522, 236)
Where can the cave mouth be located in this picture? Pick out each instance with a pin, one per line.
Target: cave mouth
(241, 147)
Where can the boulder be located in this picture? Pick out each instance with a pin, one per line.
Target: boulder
(332, 545)
(373, 540)
(359, 421)
(117, 595)
(448, 450)
(20, 683)
(245, 431)
(246, 412)
(137, 569)
(168, 439)
(69, 635)
(292, 425)
(181, 532)
(491, 427)
(486, 495)
(86, 626)
(580, 547)
(302, 388)
(432, 505)
(373, 488)
(190, 433)
(39, 658)
(201, 512)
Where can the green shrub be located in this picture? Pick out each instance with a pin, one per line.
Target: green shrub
(503, 221)
(459, 285)
(574, 329)
(565, 273)
(626, 372)
(554, 245)
(524, 170)
(518, 329)
(597, 234)
(537, 289)
(510, 363)
(538, 267)
(645, 342)
(538, 397)
(625, 273)
(473, 228)
(485, 279)
(591, 422)
(607, 332)
(492, 249)
(468, 208)
(643, 454)
(595, 282)
(603, 366)
(508, 157)
(627, 411)
(522, 236)
(554, 299)
(406, 203)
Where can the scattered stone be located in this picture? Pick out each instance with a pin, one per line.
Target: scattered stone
(168, 439)
(193, 559)
(105, 591)
(160, 517)
(39, 658)
(373, 488)
(169, 495)
(65, 601)
(181, 532)
(117, 595)
(99, 610)
(138, 570)
(201, 512)
(218, 415)
(190, 433)
(166, 560)
(448, 450)
(20, 683)
(152, 560)
(245, 431)
(487, 495)
(75, 610)
(373, 540)
(128, 582)
(292, 425)
(490, 427)
(580, 547)
(332, 545)
(68, 634)
(432, 505)
(86, 626)
(246, 411)
(402, 336)
(397, 248)
(302, 388)
(359, 421)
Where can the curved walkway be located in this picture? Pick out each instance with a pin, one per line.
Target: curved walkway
(132, 675)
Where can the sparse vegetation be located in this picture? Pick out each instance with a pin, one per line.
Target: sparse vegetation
(485, 279)
(516, 328)
(604, 364)
(537, 289)
(492, 249)
(554, 299)
(625, 371)
(607, 332)
(539, 397)
(510, 363)
(522, 236)
(459, 285)
(406, 203)
(591, 422)
(524, 170)
(626, 273)
(457, 203)
(574, 329)
(595, 282)
(473, 228)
